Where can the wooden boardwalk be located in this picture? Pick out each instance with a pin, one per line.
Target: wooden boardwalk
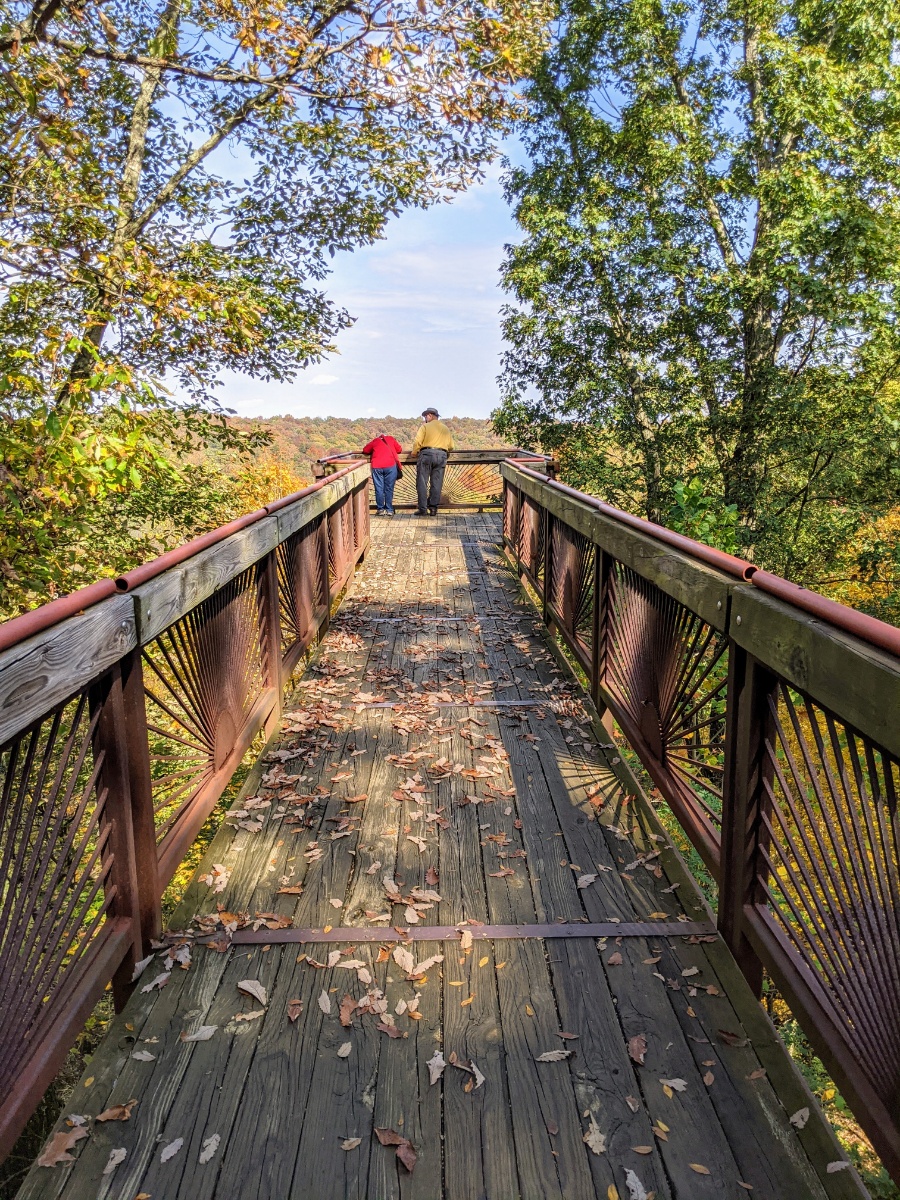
(436, 767)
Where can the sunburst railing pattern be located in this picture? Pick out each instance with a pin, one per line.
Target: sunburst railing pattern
(203, 676)
(120, 727)
(757, 725)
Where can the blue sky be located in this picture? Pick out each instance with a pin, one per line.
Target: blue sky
(426, 301)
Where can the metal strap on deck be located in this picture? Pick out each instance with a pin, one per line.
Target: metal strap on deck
(480, 933)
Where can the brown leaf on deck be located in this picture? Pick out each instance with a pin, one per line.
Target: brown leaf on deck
(57, 1149)
(347, 1009)
(118, 1112)
(294, 1009)
(637, 1048)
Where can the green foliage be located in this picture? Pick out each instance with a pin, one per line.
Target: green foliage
(702, 517)
(134, 270)
(707, 284)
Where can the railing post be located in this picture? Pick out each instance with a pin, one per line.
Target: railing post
(744, 801)
(121, 738)
(271, 629)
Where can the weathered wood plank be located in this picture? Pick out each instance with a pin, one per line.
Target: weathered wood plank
(698, 587)
(858, 682)
(47, 668)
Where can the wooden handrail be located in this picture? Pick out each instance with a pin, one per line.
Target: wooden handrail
(125, 710)
(768, 718)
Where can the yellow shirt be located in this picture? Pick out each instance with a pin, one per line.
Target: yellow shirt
(434, 435)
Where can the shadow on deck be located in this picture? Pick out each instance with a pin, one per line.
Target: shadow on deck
(437, 767)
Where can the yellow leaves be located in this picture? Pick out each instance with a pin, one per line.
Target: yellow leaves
(699, 1168)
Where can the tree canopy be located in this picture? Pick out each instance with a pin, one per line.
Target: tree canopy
(175, 176)
(706, 294)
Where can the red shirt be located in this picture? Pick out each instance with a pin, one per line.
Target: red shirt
(384, 451)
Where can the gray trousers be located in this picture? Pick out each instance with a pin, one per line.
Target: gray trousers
(430, 464)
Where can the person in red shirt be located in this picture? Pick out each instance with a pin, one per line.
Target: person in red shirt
(385, 468)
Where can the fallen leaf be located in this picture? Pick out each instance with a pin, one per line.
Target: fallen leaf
(404, 959)
(709, 1079)
(633, 1103)
(431, 877)
(554, 1055)
(294, 1009)
(347, 1009)
(552, 1128)
(350, 1143)
(203, 1034)
(688, 971)
(479, 1078)
(324, 1002)
(637, 1048)
(465, 939)
(115, 1157)
(209, 1147)
(250, 1016)
(405, 1151)
(289, 891)
(407, 1155)
(612, 1192)
(594, 1139)
(118, 1112)
(748, 1187)
(425, 965)
(391, 1030)
(344, 1050)
(584, 881)
(615, 960)
(677, 1085)
(171, 1150)
(759, 1073)
(252, 987)
(732, 1039)
(159, 982)
(140, 967)
(636, 1190)
(833, 1167)
(436, 1066)
(642, 1149)
(57, 1149)
(798, 1120)
(483, 962)
(699, 1168)
(356, 799)
(143, 1056)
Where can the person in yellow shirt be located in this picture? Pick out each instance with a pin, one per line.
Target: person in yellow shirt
(433, 443)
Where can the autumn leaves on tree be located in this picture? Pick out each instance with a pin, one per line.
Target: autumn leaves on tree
(135, 268)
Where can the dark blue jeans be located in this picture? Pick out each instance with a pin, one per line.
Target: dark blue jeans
(383, 480)
(430, 466)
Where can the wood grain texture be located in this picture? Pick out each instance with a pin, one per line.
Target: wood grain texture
(46, 669)
(278, 1094)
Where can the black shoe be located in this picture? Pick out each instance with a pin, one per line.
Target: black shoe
(432, 512)
(420, 512)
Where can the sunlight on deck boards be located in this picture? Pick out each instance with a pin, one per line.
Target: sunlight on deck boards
(564, 1067)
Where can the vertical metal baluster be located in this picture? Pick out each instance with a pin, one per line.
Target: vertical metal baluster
(748, 728)
(270, 622)
(111, 752)
(547, 519)
(598, 626)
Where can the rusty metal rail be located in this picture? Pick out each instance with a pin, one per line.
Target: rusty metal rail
(124, 711)
(768, 718)
(471, 479)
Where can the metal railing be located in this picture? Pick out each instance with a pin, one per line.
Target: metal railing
(125, 709)
(768, 718)
(471, 479)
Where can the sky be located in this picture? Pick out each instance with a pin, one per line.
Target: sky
(426, 301)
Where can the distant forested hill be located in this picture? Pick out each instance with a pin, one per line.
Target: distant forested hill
(298, 441)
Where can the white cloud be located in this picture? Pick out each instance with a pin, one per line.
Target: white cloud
(427, 305)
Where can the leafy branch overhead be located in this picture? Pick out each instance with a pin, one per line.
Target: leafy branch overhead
(707, 286)
(175, 176)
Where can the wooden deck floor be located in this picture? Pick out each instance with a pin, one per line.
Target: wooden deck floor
(478, 813)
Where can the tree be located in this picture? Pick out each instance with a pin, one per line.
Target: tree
(134, 269)
(707, 286)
